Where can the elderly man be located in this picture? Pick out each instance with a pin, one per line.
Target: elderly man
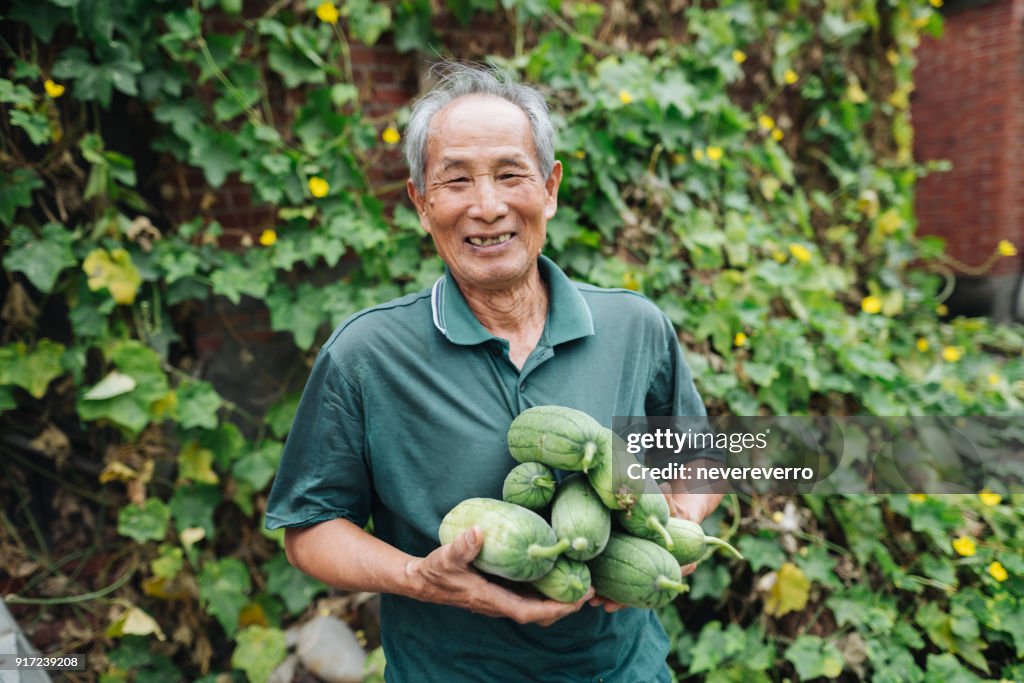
(407, 407)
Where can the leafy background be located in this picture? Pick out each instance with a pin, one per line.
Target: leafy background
(745, 164)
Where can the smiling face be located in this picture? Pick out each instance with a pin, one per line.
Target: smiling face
(484, 202)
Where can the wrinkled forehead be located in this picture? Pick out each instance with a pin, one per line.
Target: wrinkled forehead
(478, 122)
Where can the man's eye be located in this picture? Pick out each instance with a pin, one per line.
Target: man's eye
(508, 176)
(456, 181)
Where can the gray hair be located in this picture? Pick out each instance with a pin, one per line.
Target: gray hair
(460, 80)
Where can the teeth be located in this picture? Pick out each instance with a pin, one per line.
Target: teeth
(489, 241)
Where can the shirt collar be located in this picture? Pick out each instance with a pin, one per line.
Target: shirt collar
(568, 313)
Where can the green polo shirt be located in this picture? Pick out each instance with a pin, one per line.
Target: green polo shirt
(405, 415)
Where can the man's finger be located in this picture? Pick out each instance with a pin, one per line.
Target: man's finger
(688, 569)
(467, 546)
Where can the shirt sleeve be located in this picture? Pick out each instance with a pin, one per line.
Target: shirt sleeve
(672, 391)
(672, 394)
(324, 472)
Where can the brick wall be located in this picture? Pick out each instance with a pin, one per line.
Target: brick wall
(968, 108)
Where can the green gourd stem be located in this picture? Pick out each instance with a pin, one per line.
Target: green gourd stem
(655, 524)
(542, 481)
(711, 540)
(541, 551)
(580, 543)
(588, 455)
(664, 582)
(576, 583)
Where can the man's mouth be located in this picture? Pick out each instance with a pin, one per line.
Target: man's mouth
(490, 241)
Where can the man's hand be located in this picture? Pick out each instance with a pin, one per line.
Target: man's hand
(446, 577)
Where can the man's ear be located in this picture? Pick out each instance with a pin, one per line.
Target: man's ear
(420, 202)
(551, 189)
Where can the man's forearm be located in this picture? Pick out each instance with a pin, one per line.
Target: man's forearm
(342, 555)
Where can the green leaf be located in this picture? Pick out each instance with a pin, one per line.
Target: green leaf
(31, 370)
(257, 467)
(294, 67)
(95, 81)
(146, 522)
(170, 562)
(42, 17)
(223, 587)
(259, 652)
(819, 566)
(280, 416)
(300, 313)
(295, 588)
(16, 190)
(413, 26)
(710, 580)
(198, 403)
(813, 658)
(368, 19)
(7, 398)
(193, 506)
(40, 260)
(234, 279)
(226, 442)
(946, 668)
(34, 123)
(761, 552)
(217, 153)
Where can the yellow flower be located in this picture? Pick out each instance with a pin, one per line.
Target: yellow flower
(892, 57)
(53, 89)
(625, 96)
(714, 153)
(318, 187)
(917, 497)
(777, 134)
(990, 499)
(739, 56)
(935, 3)
(740, 339)
(1006, 248)
(327, 12)
(922, 344)
(965, 546)
(997, 571)
(777, 517)
(942, 309)
(871, 304)
(390, 135)
(268, 237)
(790, 77)
(678, 158)
(951, 354)
(629, 281)
(580, 154)
(766, 122)
(698, 154)
(800, 253)
(993, 378)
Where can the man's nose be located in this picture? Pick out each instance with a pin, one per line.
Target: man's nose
(488, 205)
